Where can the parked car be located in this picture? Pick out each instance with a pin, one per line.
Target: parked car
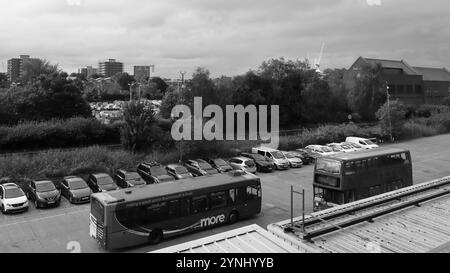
(178, 171)
(319, 151)
(219, 164)
(243, 164)
(346, 147)
(304, 156)
(263, 164)
(43, 193)
(126, 179)
(12, 198)
(280, 161)
(199, 167)
(364, 142)
(75, 189)
(101, 182)
(153, 173)
(294, 161)
(336, 148)
(355, 146)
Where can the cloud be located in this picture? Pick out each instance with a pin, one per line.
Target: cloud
(228, 37)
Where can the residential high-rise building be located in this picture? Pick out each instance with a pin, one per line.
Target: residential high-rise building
(15, 67)
(110, 68)
(142, 72)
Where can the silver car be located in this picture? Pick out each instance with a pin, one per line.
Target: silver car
(243, 163)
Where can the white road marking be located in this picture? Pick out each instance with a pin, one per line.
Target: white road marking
(42, 218)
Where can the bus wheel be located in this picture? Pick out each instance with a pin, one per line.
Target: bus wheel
(155, 237)
(234, 216)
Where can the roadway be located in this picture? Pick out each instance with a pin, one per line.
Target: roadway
(62, 229)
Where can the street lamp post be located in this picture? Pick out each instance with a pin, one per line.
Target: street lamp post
(389, 112)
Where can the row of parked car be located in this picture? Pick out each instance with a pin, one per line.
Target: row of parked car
(45, 193)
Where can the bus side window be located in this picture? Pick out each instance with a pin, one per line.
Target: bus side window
(185, 205)
(199, 204)
(218, 200)
(253, 192)
(232, 196)
(240, 195)
(174, 208)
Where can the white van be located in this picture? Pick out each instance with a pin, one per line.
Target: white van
(363, 142)
(279, 159)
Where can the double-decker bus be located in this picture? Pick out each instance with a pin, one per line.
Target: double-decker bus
(348, 177)
(148, 214)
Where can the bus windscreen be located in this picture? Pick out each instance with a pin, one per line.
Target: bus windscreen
(328, 165)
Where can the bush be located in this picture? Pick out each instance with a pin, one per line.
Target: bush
(414, 129)
(55, 163)
(325, 134)
(72, 132)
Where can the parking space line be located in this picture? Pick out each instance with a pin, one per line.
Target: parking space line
(42, 218)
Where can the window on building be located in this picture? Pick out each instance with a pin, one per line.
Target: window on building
(409, 89)
(400, 89)
(418, 89)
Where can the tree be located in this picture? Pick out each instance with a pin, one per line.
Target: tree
(394, 118)
(51, 96)
(161, 85)
(170, 100)
(124, 80)
(369, 92)
(140, 131)
(3, 80)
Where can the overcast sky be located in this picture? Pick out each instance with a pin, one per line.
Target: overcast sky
(228, 37)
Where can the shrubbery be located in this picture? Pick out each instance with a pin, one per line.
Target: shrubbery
(81, 162)
(73, 132)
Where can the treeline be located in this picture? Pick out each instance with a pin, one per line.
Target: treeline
(303, 95)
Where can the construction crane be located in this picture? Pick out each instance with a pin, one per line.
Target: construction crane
(317, 61)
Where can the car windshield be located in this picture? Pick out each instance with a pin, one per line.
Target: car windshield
(158, 170)
(13, 193)
(250, 163)
(132, 176)
(278, 155)
(336, 148)
(357, 146)
(328, 165)
(346, 147)
(204, 166)
(258, 157)
(181, 170)
(369, 142)
(77, 184)
(44, 187)
(290, 155)
(104, 180)
(220, 162)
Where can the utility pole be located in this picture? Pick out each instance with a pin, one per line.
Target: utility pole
(131, 94)
(182, 78)
(389, 112)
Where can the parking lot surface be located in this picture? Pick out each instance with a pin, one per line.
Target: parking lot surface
(65, 228)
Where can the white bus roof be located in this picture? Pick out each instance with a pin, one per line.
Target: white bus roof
(409, 229)
(248, 239)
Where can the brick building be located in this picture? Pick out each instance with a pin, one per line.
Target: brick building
(411, 85)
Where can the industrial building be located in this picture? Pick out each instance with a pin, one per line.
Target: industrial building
(411, 85)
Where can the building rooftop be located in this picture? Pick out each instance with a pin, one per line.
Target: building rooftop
(410, 220)
(433, 74)
(249, 239)
(401, 64)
